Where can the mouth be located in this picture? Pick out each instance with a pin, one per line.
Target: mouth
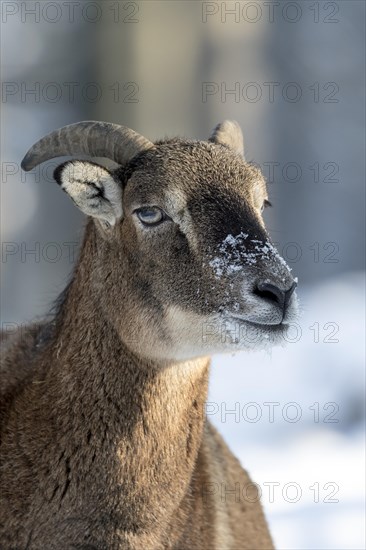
(278, 327)
(256, 332)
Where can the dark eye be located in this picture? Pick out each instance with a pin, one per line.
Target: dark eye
(265, 204)
(151, 215)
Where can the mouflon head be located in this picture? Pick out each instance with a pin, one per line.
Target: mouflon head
(184, 266)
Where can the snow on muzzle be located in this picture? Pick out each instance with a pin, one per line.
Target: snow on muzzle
(266, 283)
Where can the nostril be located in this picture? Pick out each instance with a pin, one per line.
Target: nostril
(289, 293)
(275, 294)
(270, 292)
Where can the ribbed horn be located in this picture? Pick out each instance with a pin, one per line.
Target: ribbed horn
(90, 137)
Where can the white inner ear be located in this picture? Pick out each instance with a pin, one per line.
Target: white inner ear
(93, 189)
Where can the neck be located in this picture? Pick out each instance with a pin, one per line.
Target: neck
(135, 425)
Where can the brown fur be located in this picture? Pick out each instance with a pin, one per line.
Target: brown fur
(105, 443)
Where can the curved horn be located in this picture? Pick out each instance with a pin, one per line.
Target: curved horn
(90, 137)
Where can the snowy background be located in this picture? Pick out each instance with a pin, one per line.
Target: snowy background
(148, 65)
(296, 417)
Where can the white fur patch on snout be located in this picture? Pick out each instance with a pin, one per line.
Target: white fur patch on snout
(234, 254)
(93, 189)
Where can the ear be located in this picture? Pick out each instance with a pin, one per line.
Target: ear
(92, 188)
(229, 133)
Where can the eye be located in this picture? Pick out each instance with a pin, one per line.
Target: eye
(151, 215)
(265, 204)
